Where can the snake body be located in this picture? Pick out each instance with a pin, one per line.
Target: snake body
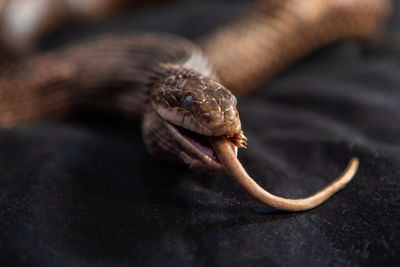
(271, 35)
(178, 88)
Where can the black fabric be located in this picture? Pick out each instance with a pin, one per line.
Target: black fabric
(84, 192)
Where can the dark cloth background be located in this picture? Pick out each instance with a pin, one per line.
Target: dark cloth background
(83, 191)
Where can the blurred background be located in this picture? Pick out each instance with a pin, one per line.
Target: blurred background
(30, 24)
(83, 191)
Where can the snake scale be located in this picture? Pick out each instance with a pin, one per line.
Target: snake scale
(184, 93)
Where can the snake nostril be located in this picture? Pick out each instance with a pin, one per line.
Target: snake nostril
(206, 117)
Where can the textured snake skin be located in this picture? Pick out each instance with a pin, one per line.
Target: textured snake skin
(272, 34)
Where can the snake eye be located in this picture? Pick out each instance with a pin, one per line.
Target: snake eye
(188, 101)
(234, 99)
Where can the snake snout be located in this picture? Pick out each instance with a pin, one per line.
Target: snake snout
(220, 116)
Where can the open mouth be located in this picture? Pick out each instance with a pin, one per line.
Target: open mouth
(200, 145)
(199, 141)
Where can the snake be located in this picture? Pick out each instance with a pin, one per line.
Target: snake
(185, 93)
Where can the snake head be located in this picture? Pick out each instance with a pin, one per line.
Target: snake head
(192, 107)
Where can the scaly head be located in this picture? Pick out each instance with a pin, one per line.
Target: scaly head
(187, 107)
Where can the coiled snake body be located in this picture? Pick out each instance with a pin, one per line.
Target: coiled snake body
(178, 88)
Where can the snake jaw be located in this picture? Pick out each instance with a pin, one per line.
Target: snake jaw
(199, 147)
(194, 148)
